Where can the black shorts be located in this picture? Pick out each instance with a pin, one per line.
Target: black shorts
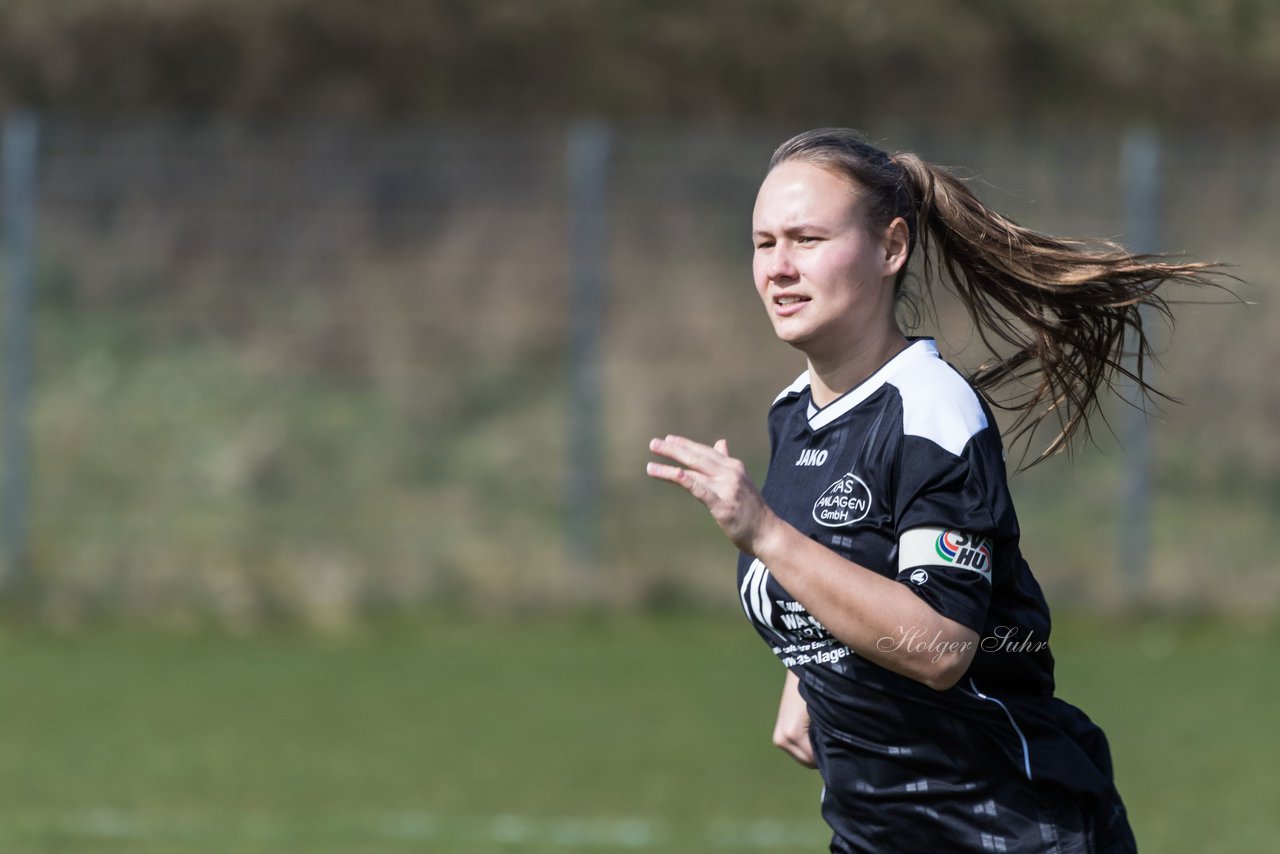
(954, 791)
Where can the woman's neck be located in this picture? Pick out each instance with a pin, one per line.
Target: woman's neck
(836, 374)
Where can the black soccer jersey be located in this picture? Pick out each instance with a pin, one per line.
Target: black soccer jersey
(905, 475)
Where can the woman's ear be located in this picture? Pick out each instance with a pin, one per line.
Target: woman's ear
(897, 245)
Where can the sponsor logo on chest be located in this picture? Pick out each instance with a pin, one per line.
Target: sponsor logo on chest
(812, 457)
(844, 502)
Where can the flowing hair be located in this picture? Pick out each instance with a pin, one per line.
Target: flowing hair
(1053, 312)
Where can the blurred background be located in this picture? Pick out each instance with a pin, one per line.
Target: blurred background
(334, 333)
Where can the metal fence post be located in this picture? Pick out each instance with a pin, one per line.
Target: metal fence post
(20, 141)
(588, 150)
(1140, 175)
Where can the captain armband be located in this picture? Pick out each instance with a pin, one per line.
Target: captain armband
(931, 546)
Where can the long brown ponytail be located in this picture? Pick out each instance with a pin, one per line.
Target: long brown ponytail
(1055, 313)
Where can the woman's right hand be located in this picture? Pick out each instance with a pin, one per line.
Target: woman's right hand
(791, 731)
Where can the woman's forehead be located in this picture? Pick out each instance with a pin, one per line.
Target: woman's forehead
(798, 190)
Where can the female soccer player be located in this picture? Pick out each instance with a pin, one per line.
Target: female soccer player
(881, 561)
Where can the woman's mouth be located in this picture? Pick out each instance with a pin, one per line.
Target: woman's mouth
(785, 306)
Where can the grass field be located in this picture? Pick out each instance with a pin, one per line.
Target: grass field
(585, 734)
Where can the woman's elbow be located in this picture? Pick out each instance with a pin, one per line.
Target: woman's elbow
(943, 674)
(948, 665)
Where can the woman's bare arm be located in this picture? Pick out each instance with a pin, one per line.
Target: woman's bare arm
(879, 618)
(791, 730)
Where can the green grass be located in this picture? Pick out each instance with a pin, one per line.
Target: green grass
(458, 735)
(1190, 712)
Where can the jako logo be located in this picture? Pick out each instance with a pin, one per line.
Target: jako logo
(812, 457)
(844, 502)
(965, 550)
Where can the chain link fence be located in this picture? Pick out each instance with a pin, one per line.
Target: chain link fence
(315, 373)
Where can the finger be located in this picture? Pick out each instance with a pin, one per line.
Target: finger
(661, 471)
(691, 481)
(722, 446)
(801, 751)
(797, 750)
(688, 453)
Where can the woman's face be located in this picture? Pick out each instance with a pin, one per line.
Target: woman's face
(825, 276)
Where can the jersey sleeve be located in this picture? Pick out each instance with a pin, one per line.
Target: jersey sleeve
(947, 533)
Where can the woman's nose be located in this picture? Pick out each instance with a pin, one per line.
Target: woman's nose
(780, 265)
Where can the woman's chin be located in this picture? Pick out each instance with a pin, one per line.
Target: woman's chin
(799, 337)
(790, 332)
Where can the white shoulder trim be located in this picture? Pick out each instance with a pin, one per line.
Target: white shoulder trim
(919, 349)
(937, 403)
(801, 383)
